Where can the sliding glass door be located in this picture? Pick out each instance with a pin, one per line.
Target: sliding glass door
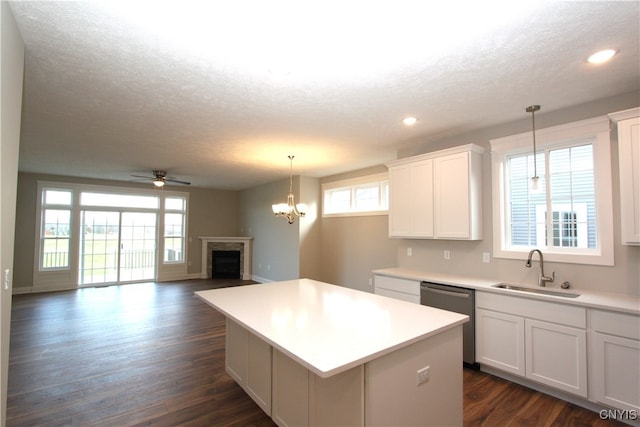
(117, 246)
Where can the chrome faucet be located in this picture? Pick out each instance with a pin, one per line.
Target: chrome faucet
(542, 279)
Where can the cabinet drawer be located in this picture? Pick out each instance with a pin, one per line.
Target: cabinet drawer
(620, 324)
(411, 287)
(398, 295)
(534, 309)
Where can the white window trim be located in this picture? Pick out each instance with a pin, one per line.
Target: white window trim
(353, 182)
(56, 279)
(597, 128)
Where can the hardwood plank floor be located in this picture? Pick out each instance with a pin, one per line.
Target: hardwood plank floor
(152, 354)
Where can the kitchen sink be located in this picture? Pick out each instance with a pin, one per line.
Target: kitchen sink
(535, 290)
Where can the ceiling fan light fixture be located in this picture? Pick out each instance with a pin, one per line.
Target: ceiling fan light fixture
(158, 182)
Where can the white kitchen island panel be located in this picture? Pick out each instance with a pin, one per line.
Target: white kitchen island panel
(346, 357)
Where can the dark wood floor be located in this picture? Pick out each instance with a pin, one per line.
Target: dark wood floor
(152, 354)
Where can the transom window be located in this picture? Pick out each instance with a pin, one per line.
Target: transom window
(569, 216)
(360, 196)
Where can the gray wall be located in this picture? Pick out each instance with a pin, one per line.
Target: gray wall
(282, 251)
(211, 213)
(352, 246)
(11, 71)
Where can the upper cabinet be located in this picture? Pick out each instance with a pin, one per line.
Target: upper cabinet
(437, 195)
(629, 164)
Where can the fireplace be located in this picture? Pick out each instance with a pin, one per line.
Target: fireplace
(210, 244)
(225, 264)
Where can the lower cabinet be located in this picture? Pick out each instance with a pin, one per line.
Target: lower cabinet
(398, 288)
(500, 341)
(511, 336)
(556, 355)
(615, 339)
(301, 398)
(286, 390)
(248, 361)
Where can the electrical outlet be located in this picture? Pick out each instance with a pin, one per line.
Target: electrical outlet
(486, 257)
(409, 251)
(422, 375)
(447, 254)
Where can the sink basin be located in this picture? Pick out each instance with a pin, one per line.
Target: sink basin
(536, 290)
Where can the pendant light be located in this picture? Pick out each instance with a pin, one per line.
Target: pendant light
(290, 210)
(534, 183)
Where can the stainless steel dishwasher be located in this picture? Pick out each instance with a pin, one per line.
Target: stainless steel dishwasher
(458, 300)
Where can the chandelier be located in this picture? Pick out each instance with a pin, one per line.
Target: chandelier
(290, 210)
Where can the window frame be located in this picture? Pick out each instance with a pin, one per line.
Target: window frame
(183, 232)
(352, 185)
(41, 223)
(67, 278)
(598, 131)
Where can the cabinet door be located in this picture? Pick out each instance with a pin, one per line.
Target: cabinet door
(258, 384)
(411, 200)
(236, 350)
(248, 362)
(422, 199)
(556, 355)
(500, 341)
(399, 201)
(629, 161)
(617, 369)
(290, 391)
(452, 204)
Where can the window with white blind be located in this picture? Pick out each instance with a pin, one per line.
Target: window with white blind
(367, 195)
(569, 217)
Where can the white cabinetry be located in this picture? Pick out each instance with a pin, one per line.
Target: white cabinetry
(248, 362)
(500, 340)
(615, 339)
(541, 341)
(411, 199)
(437, 195)
(301, 398)
(395, 287)
(629, 165)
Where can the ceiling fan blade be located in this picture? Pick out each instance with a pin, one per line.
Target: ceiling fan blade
(176, 181)
(144, 177)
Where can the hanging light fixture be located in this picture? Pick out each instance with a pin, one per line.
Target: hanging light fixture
(534, 186)
(290, 210)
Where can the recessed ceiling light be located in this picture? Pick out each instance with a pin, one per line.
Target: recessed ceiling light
(601, 56)
(409, 121)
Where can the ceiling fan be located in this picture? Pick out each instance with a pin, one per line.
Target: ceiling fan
(160, 178)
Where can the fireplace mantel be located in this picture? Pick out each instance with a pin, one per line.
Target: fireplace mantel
(245, 241)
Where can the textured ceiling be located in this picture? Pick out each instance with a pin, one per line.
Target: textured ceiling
(219, 93)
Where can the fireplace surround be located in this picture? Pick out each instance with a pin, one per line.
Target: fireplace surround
(242, 244)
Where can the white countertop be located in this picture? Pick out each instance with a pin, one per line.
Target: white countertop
(603, 300)
(326, 328)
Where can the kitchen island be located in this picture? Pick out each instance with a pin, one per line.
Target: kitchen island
(311, 353)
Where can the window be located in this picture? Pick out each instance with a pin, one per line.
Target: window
(55, 230)
(361, 196)
(174, 229)
(570, 218)
(88, 234)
